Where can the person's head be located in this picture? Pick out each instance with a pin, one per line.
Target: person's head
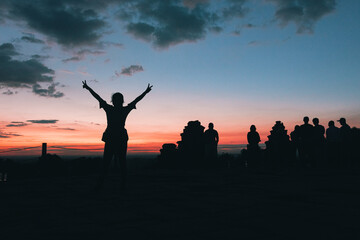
(342, 121)
(252, 128)
(297, 127)
(315, 121)
(117, 99)
(211, 126)
(306, 119)
(331, 123)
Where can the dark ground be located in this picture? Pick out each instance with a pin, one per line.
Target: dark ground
(179, 204)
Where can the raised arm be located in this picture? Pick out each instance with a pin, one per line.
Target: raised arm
(92, 91)
(148, 89)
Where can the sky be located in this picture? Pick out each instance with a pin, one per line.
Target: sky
(232, 62)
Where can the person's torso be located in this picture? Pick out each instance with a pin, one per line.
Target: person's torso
(253, 137)
(306, 131)
(116, 117)
(333, 134)
(319, 131)
(210, 136)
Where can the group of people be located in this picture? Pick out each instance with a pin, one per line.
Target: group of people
(315, 144)
(312, 144)
(308, 140)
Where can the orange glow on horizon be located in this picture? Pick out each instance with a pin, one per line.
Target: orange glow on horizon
(85, 138)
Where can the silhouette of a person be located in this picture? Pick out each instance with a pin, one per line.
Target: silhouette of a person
(252, 153)
(253, 138)
(211, 139)
(115, 135)
(345, 141)
(332, 143)
(294, 135)
(318, 141)
(295, 140)
(332, 133)
(344, 130)
(319, 131)
(305, 145)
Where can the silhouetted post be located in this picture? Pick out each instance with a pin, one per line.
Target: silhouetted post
(44, 145)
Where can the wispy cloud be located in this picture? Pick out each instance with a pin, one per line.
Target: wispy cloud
(43, 121)
(249, 25)
(80, 55)
(254, 43)
(40, 57)
(129, 71)
(17, 124)
(8, 134)
(50, 91)
(29, 37)
(303, 13)
(84, 73)
(9, 92)
(66, 71)
(66, 129)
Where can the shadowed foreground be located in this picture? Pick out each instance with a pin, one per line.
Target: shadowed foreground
(174, 204)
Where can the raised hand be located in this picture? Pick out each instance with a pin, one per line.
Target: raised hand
(149, 88)
(85, 85)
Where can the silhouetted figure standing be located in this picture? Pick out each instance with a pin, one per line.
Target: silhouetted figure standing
(332, 144)
(295, 140)
(115, 135)
(319, 131)
(305, 143)
(318, 142)
(211, 139)
(253, 138)
(253, 153)
(344, 130)
(345, 141)
(332, 133)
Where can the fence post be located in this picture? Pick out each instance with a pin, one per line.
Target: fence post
(44, 145)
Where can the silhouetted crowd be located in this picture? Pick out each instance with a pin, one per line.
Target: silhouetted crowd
(308, 146)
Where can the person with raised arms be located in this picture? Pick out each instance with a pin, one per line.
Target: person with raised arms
(115, 135)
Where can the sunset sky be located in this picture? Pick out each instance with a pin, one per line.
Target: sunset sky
(233, 62)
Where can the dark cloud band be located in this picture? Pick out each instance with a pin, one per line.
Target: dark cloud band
(163, 23)
(25, 74)
(17, 124)
(52, 121)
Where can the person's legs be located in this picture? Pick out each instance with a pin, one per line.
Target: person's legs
(123, 162)
(108, 155)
